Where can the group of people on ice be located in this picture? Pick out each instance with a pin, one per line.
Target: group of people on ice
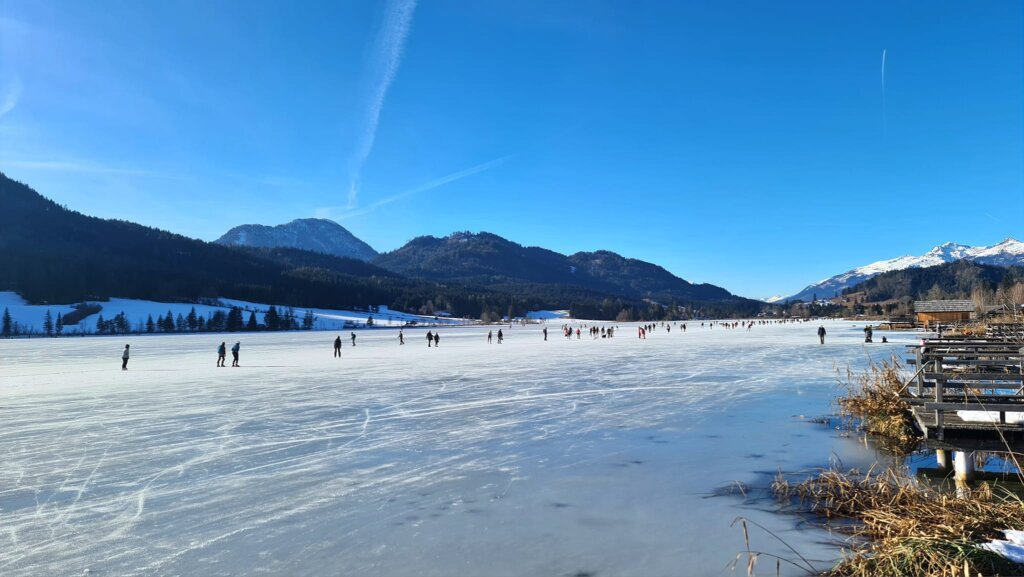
(434, 337)
(222, 353)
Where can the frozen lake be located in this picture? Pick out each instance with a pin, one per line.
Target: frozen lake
(582, 457)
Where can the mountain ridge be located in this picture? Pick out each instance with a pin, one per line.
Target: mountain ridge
(488, 259)
(312, 234)
(1008, 252)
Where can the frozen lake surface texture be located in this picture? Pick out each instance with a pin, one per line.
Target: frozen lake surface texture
(582, 457)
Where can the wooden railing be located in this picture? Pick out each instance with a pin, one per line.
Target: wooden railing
(968, 374)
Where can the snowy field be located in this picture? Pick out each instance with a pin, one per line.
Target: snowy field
(30, 317)
(598, 457)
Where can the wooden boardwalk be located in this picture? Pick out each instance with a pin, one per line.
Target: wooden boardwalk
(968, 393)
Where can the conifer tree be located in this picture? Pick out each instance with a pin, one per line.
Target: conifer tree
(272, 320)
(150, 326)
(252, 325)
(234, 322)
(48, 323)
(60, 324)
(191, 320)
(7, 328)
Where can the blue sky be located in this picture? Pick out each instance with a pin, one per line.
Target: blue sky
(747, 144)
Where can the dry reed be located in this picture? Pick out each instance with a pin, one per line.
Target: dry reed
(904, 528)
(876, 399)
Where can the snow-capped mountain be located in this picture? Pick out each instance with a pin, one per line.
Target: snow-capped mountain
(1010, 252)
(315, 234)
(773, 299)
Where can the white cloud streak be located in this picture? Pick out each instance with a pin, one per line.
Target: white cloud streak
(10, 97)
(388, 50)
(348, 212)
(73, 166)
(884, 121)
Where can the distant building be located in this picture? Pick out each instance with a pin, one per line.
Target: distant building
(935, 312)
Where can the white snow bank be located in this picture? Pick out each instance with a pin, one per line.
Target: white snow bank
(547, 315)
(989, 417)
(29, 317)
(1011, 548)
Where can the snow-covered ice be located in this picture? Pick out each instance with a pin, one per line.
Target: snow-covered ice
(525, 458)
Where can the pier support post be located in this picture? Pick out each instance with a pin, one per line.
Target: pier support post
(963, 467)
(943, 460)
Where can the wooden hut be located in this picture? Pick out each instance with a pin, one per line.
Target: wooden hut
(952, 311)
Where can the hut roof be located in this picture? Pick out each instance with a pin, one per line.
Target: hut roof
(950, 306)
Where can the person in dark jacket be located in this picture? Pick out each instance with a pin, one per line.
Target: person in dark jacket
(222, 353)
(437, 339)
(500, 336)
(124, 358)
(821, 333)
(430, 339)
(337, 346)
(234, 353)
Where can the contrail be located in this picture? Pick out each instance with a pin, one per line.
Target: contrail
(883, 94)
(429, 185)
(10, 97)
(388, 56)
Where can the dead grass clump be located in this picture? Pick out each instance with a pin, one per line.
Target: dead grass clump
(904, 528)
(876, 399)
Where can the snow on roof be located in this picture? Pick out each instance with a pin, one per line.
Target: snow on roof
(950, 306)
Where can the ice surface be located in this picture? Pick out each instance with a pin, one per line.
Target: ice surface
(526, 458)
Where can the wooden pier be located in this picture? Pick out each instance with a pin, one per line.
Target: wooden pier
(967, 395)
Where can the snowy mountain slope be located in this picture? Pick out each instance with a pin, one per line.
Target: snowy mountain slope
(30, 317)
(315, 234)
(1006, 253)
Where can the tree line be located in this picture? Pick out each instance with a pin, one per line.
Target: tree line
(233, 320)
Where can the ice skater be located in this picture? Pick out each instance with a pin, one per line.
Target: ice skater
(490, 336)
(437, 339)
(821, 333)
(868, 334)
(337, 346)
(500, 336)
(401, 337)
(124, 358)
(234, 353)
(353, 339)
(221, 354)
(545, 333)
(430, 339)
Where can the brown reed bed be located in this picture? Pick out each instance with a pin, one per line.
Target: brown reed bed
(902, 527)
(875, 399)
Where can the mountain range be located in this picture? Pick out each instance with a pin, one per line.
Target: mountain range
(49, 253)
(1009, 252)
(487, 259)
